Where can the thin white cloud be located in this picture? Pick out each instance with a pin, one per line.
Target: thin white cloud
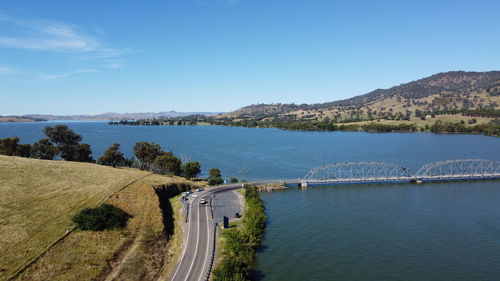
(58, 76)
(50, 77)
(44, 35)
(46, 44)
(18, 74)
(68, 40)
(5, 70)
(113, 65)
(87, 70)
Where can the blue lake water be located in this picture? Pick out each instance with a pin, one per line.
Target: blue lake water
(439, 231)
(249, 153)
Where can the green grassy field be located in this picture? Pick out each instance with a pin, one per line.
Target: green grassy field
(38, 199)
(456, 118)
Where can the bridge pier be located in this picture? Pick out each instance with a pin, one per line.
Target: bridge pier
(416, 180)
(303, 184)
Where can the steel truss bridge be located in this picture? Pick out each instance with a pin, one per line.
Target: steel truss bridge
(377, 172)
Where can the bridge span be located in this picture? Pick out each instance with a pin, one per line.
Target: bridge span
(378, 172)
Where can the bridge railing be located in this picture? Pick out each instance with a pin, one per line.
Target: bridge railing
(378, 171)
(357, 171)
(460, 168)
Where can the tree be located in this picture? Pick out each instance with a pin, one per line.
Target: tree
(12, 147)
(214, 172)
(78, 153)
(82, 153)
(191, 169)
(44, 149)
(215, 180)
(167, 164)
(215, 177)
(23, 150)
(129, 162)
(8, 146)
(62, 134)
(67, 152)
(112, 156)
(68, 144)
(147, 152)
(233, 180)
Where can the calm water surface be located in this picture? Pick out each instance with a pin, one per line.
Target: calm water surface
(445, 231)
(440, 231)
(271, 153)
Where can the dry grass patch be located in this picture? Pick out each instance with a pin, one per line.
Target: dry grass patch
(80, 256)
(38, 199)
(141, 251)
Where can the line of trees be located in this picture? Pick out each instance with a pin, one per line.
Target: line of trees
(63, 142)
(290, 122)
(153, 158)
(491, 128)
(242, 243)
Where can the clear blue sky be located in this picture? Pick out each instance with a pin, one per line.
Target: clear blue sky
(87, 57)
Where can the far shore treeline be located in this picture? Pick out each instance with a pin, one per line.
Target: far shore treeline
(63, 143)
(491, 128)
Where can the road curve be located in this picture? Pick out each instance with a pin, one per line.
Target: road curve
(194, 263)
(195, 252)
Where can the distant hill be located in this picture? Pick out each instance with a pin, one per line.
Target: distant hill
(455, 90)
(19, 119)
(458, 82)
(103, 116)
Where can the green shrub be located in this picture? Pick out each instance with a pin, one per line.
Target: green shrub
(106, 216)
(215, 180)
(234, 180)
(241, 244)
(230, 270)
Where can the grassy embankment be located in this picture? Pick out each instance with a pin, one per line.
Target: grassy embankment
(239, 243)
(38, 199)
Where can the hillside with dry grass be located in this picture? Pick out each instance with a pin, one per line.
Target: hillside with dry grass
(38, 241)
(443, 92)
(450, 102)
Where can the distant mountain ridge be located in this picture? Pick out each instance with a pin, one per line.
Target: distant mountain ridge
(107, 116)
(454, 81)
(452, 90)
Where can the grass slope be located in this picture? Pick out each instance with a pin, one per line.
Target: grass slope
(38, 199)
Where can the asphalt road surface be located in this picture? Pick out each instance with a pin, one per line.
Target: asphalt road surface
(225, 204)
(195, 260)
(194, 263)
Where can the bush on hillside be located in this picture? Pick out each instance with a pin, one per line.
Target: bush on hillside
(106, 216)
(241, 243)
(215, 180)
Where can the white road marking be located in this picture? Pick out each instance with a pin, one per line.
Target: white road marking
(196, 249)
(208, 249)
(187, 243)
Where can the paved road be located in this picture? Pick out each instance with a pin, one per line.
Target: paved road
(195, 260)
(225, 204)
(196, 252)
